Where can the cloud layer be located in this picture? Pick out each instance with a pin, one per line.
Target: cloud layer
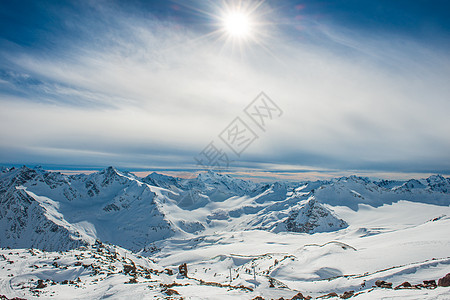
(144, 92)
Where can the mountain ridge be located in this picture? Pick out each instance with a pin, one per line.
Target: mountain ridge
(132, 212)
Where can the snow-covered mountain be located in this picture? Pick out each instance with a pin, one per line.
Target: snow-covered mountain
(55, 211)
(313, 217)
(109, 205)
(275, 239)
(353, 191)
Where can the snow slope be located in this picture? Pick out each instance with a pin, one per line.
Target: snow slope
(119, 208)
(261, 263)
(404, 241)
(108, 205)
(274, 239)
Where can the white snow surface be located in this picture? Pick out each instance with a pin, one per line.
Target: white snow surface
(274, 239)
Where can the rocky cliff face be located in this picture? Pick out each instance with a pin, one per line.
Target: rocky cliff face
(313, 217)
(26, 223)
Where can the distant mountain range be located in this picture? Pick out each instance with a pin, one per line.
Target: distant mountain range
(52, 211)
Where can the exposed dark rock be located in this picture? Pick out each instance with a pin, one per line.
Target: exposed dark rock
(41, 284)
(298, 296)
(171, 292)
(444, 281)
(429, 284)
(111, 207)
(329, 295)
(129, 269)
(132, 280)
(169, 272)
(308, 219)
(271, 285)
(383, 284)
(347, 295)
(182, 269)
(3, 297)
(404, 285)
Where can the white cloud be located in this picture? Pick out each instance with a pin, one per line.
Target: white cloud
(148, 87)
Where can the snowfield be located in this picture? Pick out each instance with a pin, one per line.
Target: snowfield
(114, 235)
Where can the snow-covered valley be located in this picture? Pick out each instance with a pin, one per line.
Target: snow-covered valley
(275, 240)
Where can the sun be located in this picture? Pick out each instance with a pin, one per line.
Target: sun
(237, 24)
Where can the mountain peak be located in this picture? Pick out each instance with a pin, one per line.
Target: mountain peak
(107, 176)
(314, 217)
(439, 183)
(23, 174)
(436, 178)
(209, 174)
(24, 168)
(156, 175)
(354, 178)
(109, 169)
(110, 172)
(161, 180)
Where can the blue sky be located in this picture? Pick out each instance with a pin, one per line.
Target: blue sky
(149, 84)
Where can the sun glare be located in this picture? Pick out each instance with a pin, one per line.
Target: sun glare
(237, 24)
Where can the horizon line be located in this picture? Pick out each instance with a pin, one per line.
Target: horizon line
(252, 174)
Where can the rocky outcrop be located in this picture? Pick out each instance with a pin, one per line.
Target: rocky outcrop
(404, 285)
(313, 217)
(444, 281)
(347, 295)
(383, 284)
